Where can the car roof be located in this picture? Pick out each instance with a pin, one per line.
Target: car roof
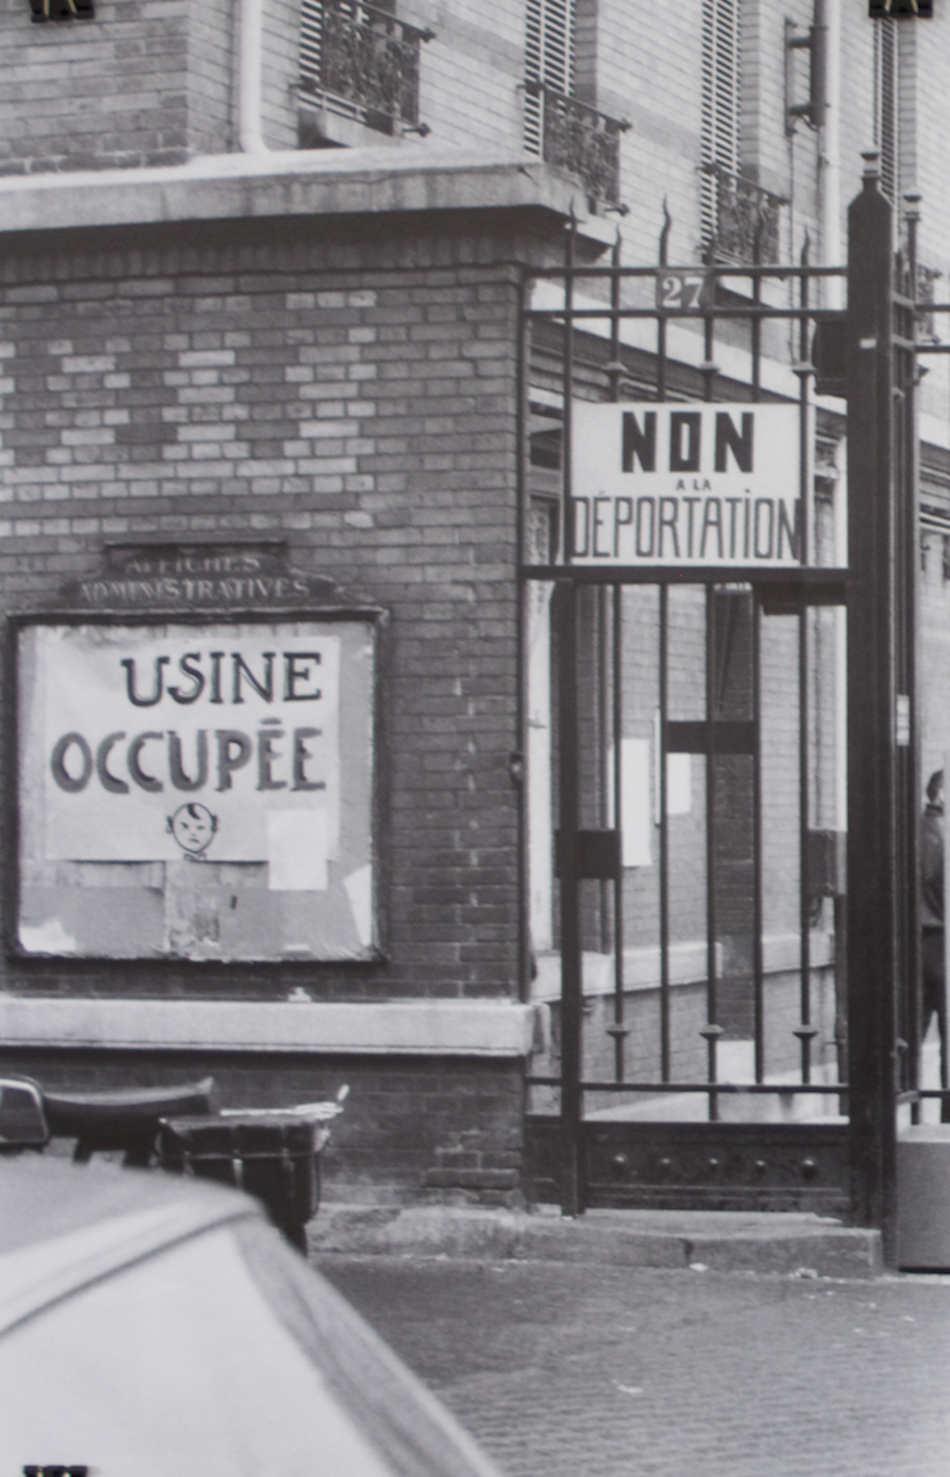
(69, 1229)
(63, 1227)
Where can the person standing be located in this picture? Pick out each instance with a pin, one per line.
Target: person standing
(932, 925)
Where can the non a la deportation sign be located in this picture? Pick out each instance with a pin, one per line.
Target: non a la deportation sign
(692, 484)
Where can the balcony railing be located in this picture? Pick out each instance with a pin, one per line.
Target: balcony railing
(927, 322)
(745, 218)
(363, 63)
(581, 140)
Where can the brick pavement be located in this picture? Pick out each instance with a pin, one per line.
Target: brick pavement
(565, 1369)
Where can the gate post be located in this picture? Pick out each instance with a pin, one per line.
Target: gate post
(875, 623)
(564, 611)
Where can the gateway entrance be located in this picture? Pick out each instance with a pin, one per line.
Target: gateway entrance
(719, 694)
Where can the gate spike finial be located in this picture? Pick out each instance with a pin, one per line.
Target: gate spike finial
(665, 233)
(872, 166)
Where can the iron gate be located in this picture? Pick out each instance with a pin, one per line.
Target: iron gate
(705, 729)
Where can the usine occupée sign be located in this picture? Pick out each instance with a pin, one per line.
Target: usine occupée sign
(196, 790)
(691, 484)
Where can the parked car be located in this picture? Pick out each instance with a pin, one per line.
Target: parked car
(151, 1325)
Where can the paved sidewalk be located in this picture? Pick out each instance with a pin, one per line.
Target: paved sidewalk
(570, 1368)
(723, 1241)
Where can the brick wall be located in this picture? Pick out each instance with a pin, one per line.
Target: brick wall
(650, 74)
(359, 398)
(469, 75)
(212, 88)
(144, 82)
(280, 69)
(172, 67)
(354, 392)
(416, 1127)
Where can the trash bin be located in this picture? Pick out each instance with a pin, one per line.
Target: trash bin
(923, 1197)
(272, 1155)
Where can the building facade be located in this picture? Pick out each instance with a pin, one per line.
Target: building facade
(277, 440)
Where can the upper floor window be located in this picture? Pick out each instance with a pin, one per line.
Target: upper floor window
(548, 58)
(719, 99)
(358, 61)
(739, 218)
(886, 105)
(559, 127)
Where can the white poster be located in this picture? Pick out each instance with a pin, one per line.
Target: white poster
(184, 740)
(686, 484)
(196, 768)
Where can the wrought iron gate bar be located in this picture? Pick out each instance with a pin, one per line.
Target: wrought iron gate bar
(828, 581)
(680, 314)
(568, 391)
(730, 999)
(665, 1035)
(730, 736)
(755, 1088)
(785, 272)
(712, 933)
(619, 1030)
(758, 884)
(804, 899)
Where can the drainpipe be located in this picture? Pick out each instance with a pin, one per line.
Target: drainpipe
(249, 87)
(828, 14)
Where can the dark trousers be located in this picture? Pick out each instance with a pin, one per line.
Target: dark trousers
(934, 998)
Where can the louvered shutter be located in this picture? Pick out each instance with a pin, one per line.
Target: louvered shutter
(887, 104)
(549, 57)
(311, 26)
(311, 33)
(719, 137)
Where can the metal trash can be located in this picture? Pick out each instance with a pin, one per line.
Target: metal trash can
(272, 1155)
(923, 1197)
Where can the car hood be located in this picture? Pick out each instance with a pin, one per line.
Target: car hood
(151, 1325)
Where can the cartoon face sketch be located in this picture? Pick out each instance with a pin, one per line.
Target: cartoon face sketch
(193, 827)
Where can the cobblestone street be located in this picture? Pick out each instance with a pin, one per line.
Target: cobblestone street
(563, 1370)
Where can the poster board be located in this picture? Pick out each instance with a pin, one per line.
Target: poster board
(696, 485)
(197, 791)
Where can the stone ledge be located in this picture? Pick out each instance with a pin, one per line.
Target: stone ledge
(475, 1028)
(291, 183)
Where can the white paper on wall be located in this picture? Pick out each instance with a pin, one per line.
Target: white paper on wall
(679, 784)
(359, 890)
(296, 851)
(636, 810)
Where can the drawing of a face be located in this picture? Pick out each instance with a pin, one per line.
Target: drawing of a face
(193, 827)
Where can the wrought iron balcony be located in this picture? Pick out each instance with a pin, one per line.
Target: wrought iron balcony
(927, 322)
(745, 218)
(363, 63)
(581, 140)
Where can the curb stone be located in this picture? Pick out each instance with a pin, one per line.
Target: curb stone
(801, 1245)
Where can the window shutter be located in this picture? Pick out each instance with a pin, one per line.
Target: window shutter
(719, 125)
(886, 100)
(311, 27)
(549, 57)
(311, 31)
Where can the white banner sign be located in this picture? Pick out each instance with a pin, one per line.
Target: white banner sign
(182, 789)
(691, 484)
(145, 741)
